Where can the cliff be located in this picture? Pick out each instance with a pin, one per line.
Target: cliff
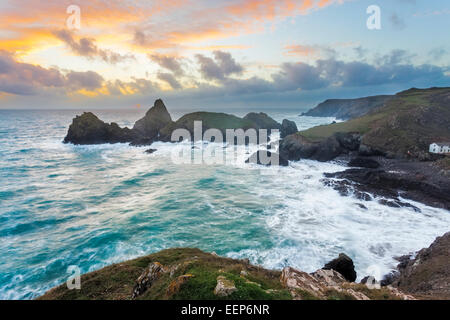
(346, 109)
(192, 274)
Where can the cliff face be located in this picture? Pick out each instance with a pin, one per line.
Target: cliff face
(155, 119)
(192, 274)
(403, 127)
(345, 109)
(428, 273)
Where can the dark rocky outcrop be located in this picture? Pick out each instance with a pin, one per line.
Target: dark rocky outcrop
(155, 119)
(262, 121)
(344, 265)
(88, 129)
(428, 273)
(389, 184)
(347, 108)
(364, 163)
(296, 147)
(287, 128)
(260, 156)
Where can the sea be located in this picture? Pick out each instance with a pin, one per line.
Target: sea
(91, 206)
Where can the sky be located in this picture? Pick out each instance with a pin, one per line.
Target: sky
(217, 54)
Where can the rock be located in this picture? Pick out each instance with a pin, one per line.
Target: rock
(364, 163)
(224, 287)
(154, 120)
(347, 108)
(262, 121)
(267, 158)
(387, 185)
(152, 273)
(295, 147)
(318, 285)
(176, 284)
(428, 274)
(328, 150)
(287, 128)
(349, 141)
(344, 265)
(88, 129)
(150, 151)
(368, 151)
(244, 273)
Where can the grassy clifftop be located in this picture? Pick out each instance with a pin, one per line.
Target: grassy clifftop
(409, 122)
(116, 282)
(191, 274)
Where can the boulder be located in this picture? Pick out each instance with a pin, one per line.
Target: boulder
(224, 287)
(152, 273)
(176, 284)
(364, 163)
(150, 151)
(344, 265)
(154, 120)
(287, 128)
(275, 158)
(328, 150)
(296, 147)
(88, 129)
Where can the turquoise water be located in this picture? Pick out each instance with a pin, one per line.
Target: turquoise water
(91, 206)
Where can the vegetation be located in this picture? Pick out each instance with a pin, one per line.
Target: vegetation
(116, 282)
(406, 124)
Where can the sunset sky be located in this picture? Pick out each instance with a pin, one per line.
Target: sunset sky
(216, 54)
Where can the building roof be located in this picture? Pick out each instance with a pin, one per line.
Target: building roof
(442, 144)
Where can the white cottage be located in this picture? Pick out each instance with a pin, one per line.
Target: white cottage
(440, 147)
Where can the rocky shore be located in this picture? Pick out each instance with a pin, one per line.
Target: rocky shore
(386, 148)
(192, 274)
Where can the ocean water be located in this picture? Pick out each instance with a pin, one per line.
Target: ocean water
(91, 206)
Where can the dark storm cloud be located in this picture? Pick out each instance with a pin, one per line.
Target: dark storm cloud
(89, 80)
(86, 47)
(219, 68)
(27, 79)
(167, 62)
(170, 79)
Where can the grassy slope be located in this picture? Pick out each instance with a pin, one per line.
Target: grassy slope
(116, 282)
(409, 122)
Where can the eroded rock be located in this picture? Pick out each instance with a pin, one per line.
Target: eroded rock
(224, 287)
(152, 273)
(344, 265)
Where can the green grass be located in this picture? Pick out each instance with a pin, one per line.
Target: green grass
(407, 123)
(116, 282)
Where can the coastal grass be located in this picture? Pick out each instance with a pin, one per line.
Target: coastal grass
(406, 124)
(116, 282)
